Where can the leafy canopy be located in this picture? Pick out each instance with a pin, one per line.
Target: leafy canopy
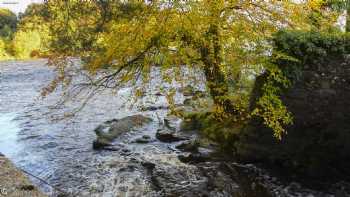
(223, 38)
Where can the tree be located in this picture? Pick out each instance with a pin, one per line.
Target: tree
(8, 23)
(25, 42)
(33, 34)
(35, 9)
(220, 37)
(3, 51)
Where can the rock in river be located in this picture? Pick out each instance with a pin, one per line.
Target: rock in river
(111, 129)
(144, 139)
(200, 155)
(189, 146)
(167, 135)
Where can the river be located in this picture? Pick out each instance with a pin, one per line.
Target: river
(60, 151)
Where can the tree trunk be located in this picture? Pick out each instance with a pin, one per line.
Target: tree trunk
(347, 25)
(216, 81)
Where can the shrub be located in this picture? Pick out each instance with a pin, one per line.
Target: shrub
(3, 51)
(25, 42)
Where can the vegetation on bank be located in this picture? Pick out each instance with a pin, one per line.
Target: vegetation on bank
(26, 36)
(317, 142)
(315, 67)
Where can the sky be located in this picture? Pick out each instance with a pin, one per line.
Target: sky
(17, 6)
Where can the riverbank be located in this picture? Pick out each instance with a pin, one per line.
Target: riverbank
(14, 182)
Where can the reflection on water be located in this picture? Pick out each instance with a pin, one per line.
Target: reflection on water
(8, 134)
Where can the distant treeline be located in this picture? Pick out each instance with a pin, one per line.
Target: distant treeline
(26, 35)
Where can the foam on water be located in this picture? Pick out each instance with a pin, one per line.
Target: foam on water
(8, 134)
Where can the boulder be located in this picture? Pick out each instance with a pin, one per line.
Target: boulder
(187, 90)
(205, 180)
(148, 165)
(175, 180)
(144, 139)
(201, 155)
(159, 94)
(167, 135)
(111, 129)
(188, 101)
(190, 91)
(154, 108)
(172, 122)
(188, 146)
(100, 143)
(199, 94)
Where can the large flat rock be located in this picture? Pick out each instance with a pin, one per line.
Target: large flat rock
(110, 130)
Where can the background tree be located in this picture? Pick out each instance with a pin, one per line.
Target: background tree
(33, 34)
(8, 23)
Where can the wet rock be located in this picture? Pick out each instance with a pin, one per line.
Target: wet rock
(341, 193)
(125, 152)
(159, 94)
(220, 183)
(166, 135)
(154, 108)
(201, 155)
(191, 92)
(27, 187)
(178, 181)
(249, 178)
(188, 101)
(188, 146)
(63, 195)
(255, 182)
(144, 139)
(111, 129)
(341, 189)
(199, 94)
(148, 165)
(172, 122)
(100, 144)
(206, 179)
(187, 90)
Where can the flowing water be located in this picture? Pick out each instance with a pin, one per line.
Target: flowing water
(8, 133)
(60, 152)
